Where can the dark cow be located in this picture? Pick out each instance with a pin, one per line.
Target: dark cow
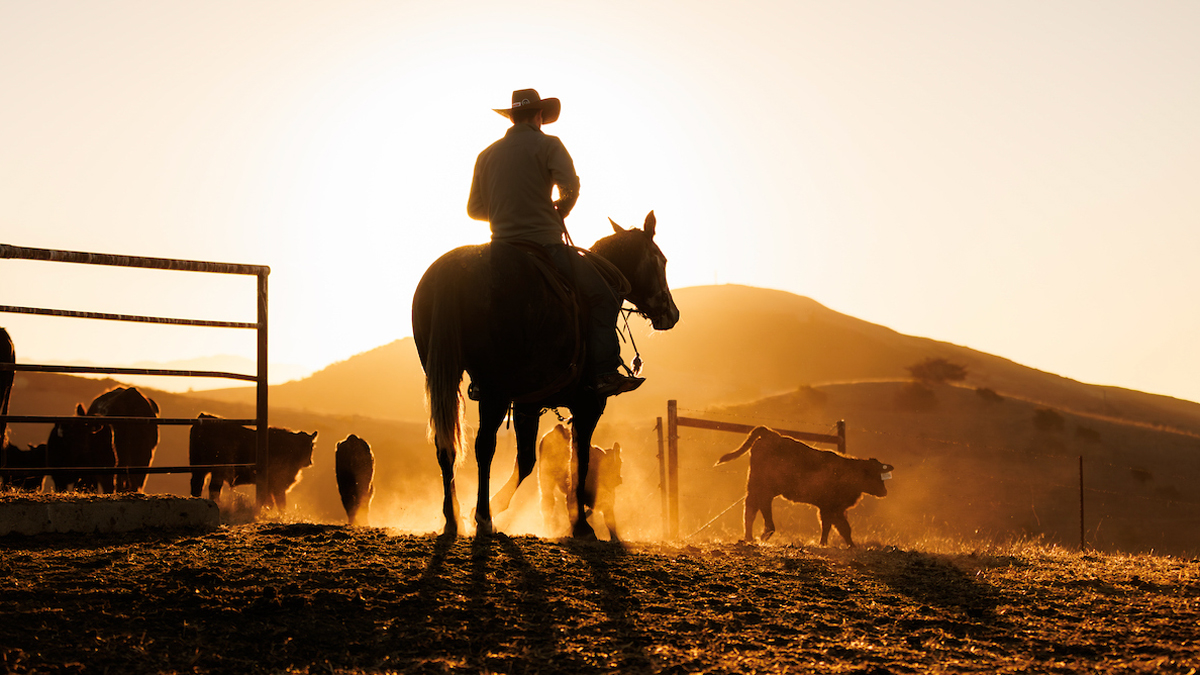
(7, 355)
(12, 457)
(355, 468)
(781, 465)
(223, 442)
(135, 442)
(81, 442)
(557, 474)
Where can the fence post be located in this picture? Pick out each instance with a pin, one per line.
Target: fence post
(673, 463)
(262, 446)
(1082, 541)
(662, 478)
(841, 433)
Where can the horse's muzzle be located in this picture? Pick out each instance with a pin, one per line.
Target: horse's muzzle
(666, 319)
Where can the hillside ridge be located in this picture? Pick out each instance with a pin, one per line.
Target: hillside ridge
(736, 344)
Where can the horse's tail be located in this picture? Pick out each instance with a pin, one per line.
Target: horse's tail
(755, 434)
(444, 367)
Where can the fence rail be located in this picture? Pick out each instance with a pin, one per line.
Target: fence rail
(119, 470)
(73, 314)
(161, 421)
(101, 370)
(27, 253)
(260, 421)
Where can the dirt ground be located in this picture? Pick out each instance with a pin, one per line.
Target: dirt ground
(295, 597)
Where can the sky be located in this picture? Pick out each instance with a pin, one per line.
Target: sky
(1015, 177)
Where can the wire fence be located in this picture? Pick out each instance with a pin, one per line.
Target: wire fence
(1099, 505)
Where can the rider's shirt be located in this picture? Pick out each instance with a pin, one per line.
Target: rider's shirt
(513, 184)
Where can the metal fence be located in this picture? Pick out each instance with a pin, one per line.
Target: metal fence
(260, 421)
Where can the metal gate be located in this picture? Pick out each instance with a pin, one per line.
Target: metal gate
(260, 421)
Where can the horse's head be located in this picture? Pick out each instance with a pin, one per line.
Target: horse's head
(634, 252)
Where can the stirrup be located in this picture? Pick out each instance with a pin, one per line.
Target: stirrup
(616, 383)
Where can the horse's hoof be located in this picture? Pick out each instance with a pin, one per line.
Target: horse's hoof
(584, 532)
(484, 528)
(451, 531)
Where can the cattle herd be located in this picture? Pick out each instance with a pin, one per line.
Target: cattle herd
(88, 453)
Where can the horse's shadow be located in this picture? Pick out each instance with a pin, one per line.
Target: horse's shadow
(615, 600)
(937, 583)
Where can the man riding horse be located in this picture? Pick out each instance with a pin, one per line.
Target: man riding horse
(526, 316)
(512, 189)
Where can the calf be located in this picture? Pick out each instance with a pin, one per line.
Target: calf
(354, 466)
(557, 473)
(780, 465)
(81, 442)
(134, 441)
(222, 442)
(12, 457)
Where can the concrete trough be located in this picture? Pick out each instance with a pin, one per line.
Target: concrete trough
(87, 513)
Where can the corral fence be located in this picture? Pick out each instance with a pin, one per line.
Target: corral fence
(669, 484)
(260, 421)
(668, 462)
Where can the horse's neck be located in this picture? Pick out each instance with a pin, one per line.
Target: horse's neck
(619, 260)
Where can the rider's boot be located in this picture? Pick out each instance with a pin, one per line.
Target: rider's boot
(611, 384)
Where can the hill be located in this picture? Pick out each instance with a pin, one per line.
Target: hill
(737, 343)
(384, 383)
(734, 344)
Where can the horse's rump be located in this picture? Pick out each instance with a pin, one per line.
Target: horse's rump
(516, 319)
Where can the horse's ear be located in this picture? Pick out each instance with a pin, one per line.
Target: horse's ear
(650, 223)
(79, 409)
(616, 227)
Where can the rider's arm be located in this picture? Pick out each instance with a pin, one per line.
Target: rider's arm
(562, 173)
(477, 202)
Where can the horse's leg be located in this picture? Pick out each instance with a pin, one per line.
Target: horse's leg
(491, 416)
(585, 416)
(525, 423)
(503, 498)
(446, 457)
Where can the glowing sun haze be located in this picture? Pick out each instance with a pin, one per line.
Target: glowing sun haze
(1016, 177)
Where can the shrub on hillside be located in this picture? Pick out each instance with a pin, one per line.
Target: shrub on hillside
(937, 370)
(1045, 419)
(989, 395)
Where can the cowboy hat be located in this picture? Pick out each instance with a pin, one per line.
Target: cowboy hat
(528, 98)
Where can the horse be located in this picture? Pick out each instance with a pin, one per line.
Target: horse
(489, 311)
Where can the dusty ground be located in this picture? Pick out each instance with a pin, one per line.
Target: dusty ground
(261, 598)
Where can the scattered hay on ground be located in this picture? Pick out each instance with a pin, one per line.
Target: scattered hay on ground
(297, 597)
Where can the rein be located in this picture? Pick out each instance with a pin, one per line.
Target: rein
(637, 356)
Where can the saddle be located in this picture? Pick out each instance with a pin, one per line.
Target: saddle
(559, 284)
(515, 260)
